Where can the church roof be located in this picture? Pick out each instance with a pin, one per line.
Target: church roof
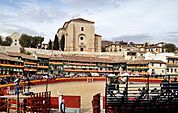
(98, 35)
(77, 20)
(81, 20)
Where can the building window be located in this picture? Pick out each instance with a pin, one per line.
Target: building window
(81, 38)
(153, 71)
(175, 70)
(15, 43)
(162, 71)
(167, 70)
(171, 70)
(152, 64)
(15, 40)
(160, 65)
(81, 49)
(119, 49)
(82, 28)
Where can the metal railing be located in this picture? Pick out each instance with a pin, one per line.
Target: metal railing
(141, 97)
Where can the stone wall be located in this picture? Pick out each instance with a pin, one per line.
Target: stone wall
(9, 49)
(97, 54)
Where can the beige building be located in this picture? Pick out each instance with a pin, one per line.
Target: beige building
(15, 45)
(147, 67)
(79, 35)
(15, 39)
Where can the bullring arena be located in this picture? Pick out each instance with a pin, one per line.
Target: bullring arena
(84, 89)
(87, 87)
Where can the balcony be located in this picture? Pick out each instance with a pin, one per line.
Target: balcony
(10, 65)
(27, 69)
(31, 63)
(56, 63)
(46, 67)
(138, 67)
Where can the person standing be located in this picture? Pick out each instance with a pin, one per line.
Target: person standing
(124, 77)
(62, 106)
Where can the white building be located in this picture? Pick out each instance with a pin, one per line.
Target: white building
(147, 67)
(169, 58)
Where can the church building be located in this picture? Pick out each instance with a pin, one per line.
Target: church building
(79, 35)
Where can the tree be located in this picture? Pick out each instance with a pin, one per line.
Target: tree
(36, 40)
(0, 40)
(131, 43)
(56, 43)
(7, 41)
(49, 45)
(25, 40)
(169, 47)
(62, 42)
(30, 41)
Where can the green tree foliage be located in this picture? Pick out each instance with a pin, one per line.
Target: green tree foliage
(49, 45)
(170, 47)
(7, 41)
(30, 41)
(62, 43)
(0, 40)
(56, 43)
(25, 40)
(36, 40)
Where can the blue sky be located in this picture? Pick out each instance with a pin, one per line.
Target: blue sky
(129, 20)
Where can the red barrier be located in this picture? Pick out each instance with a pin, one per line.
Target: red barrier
(71, 101)
(80, 79)
(54, 102)
(104, 102)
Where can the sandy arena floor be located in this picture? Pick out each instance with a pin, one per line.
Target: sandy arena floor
(83, 89)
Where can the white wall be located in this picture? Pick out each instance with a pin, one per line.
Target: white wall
(160, 70)
(159, 56)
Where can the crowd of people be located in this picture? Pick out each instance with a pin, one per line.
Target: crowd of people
(7, 80)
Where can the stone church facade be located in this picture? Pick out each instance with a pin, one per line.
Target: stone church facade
(79, 35)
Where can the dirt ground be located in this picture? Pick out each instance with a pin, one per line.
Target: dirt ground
(84, 89)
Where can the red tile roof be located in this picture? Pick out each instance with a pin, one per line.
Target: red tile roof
(76, 20)
(172, 65)
(84, 59)
(81, 20)
(174, 57)
(42, 56)
(6, 57)
(15, 54)
(145, 62)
